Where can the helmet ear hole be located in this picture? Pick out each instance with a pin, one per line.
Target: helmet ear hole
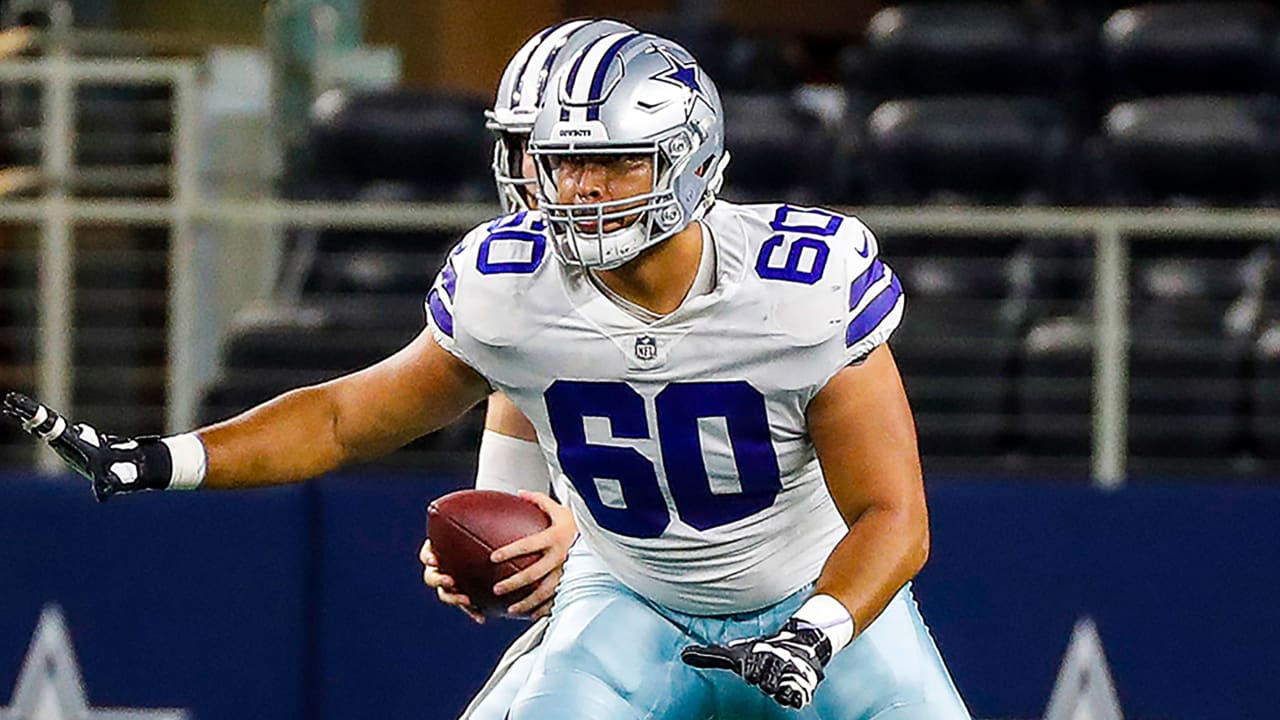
(701, 170)
(668, 217)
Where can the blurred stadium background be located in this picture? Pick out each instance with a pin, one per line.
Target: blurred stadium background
(203, 204)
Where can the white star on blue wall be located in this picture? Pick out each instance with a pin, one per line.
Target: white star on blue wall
(49, 686)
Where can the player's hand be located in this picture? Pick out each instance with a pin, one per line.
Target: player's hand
(444, 584)
(544, 574)
(113, 464)
(786, 666)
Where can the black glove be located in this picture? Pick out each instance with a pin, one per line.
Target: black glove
(113, 464)
(786, 666)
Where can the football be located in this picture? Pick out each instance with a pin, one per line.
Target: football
(466, 526)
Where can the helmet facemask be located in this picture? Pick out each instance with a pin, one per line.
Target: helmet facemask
(649, 217)
(515, 191)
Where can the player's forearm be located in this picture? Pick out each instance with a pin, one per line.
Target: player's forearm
(884, 549)
(290, 438)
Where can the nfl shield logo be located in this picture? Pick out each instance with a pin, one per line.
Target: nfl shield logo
(646, 348)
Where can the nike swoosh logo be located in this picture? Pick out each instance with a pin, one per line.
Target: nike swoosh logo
(866, 244)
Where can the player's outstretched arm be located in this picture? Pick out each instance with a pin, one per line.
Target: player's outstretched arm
(300, 434)
(864, 434)
(312, 430)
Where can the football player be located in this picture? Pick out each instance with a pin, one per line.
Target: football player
(729, 428)
(711, 388)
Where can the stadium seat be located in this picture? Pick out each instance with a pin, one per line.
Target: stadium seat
(270, 351)
(1192, 149)
(238, 390)
(959, 48)
(1183, 48)
(1189, 331)
(760, 64)
(431, 139)
(1053, 394)
(380, 263)
(1186, 366)
(307, 349)
(971, 149)
(777, 151)
(1264, 386)
(349, 298)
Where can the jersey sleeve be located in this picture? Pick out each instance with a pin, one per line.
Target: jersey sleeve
(875, 298)
(440, 301)
(471, 308)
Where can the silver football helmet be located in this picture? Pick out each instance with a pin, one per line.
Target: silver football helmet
(520, 93)
(630, 93)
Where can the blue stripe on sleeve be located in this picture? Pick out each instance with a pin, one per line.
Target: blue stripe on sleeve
(439, 313)
(873, 314)
(449, 278)
(871, 276)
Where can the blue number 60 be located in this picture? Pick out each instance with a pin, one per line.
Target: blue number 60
(787, 225)
(643, 511)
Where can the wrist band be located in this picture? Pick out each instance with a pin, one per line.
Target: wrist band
(189, 461)
(829, 615)
(511, 464)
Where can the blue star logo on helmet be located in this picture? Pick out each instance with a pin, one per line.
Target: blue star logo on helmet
(684, 75)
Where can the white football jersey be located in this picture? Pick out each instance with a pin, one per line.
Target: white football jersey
(681, 443)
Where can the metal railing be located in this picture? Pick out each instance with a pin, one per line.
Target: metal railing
(185, 210)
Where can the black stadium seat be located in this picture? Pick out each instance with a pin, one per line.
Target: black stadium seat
(1054, 396)
(1264, 391)
(1203, 149)
(1187, 363)
(958, 48)
(270, 352)
(306, 349)
(970, 149)
(1055, 358)
(776, 150)
(379, 263)
(1181, 48)
(349, 298)
(738, 62)
(434, 140)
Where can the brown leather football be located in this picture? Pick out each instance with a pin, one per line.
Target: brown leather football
(466, 526)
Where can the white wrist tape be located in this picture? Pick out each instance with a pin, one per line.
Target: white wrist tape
(829, 615)
(189, 461)
(510, 464)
